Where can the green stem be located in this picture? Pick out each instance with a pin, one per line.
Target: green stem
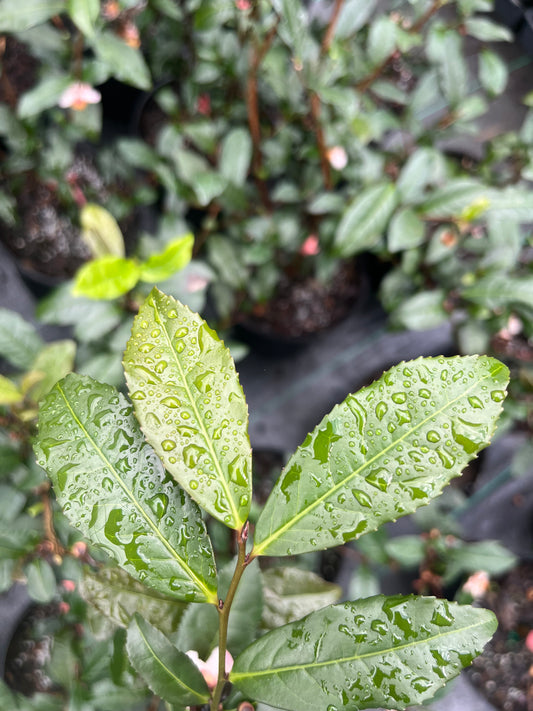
(224, 609)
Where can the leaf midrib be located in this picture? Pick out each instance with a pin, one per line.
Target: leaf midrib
(205, 434)
(258, 550)
(344, 660)
(202, 697)
(192, 575)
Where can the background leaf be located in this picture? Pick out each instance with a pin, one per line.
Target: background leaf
(378, 652)
(126, 63)
(113, 488)
(100, 231)
(235, 156)
(191, 406)
(382, 453)
(53, 362)
(9, 392)
(43, 96)
(19, 341)
(16, 16)
(168, 672)
(84, 14)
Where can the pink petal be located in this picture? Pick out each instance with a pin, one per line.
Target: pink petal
(529, 640)
(310, 247)
(337, 157)
(78, 95)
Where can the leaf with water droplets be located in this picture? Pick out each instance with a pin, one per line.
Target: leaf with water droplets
(379, 652)
(191, 406)
(167, 671)
(113, 488)
(383, 452)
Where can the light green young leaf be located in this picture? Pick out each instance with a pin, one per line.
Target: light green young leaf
(19, 341)
(118, 596)
(191, 406)
(406, 230)
(168, 672)
(16, 16)
(43, 96)
(174, 257)
(84, 14)
(126, 63)
(291, 593)
(100, 231)
(100, 466)
(378, 652)
(9, 392)
(54, 362)
(365, 220)
(106, 278)
(382, 453)
(235, 156)
(493, 73)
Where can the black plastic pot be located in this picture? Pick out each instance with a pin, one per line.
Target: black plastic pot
(525, 32)
(14, 605)
(510, 12)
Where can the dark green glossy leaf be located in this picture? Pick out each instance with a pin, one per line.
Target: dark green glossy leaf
(19, 341)
(107, 278)
(84, 14)
(378, 652)
(406, 230)
(383, 452)
(118, 596)
(113, 488)
(365, 219)
(126, 63)
(167, 671)
(291, 593)
(191, 406)
(40, 580)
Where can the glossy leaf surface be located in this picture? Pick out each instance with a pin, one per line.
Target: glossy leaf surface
(378, 652)
(383, 452)
(113, 488)
(118, 596)
(191, 406)
(106, 278)
(167, 671)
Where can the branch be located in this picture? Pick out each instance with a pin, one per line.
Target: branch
(328, 37)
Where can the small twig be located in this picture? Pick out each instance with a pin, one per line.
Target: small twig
(154, 703)
(48, 522)
(321, 143)
(328, 37)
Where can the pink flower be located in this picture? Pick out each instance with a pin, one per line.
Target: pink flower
(310, 247)
(209, 668)
(337, 157)
(529, 640)
(78, 95)
(196, 282)
(69, 585)
(129, 32)
(243, 5)
(477, 584)
(64, 607)
(79, 549)
(204, 104)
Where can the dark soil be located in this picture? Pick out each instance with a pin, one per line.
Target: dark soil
(303, 308)
(504, 672)
(18, 70)
(28, 653)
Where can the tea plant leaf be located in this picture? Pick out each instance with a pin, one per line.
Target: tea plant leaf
(113, 488)
(126, 63)
(168, 672)
(84, 14)
(101, 232)
(176, 256)
(106, 278)
(383, 452)
(9, 392)
(235, 156)
(365, 219)
(378, 652)
(54, 362)
(118, 596)
(19, 341)
(191, 406)
(16, 16)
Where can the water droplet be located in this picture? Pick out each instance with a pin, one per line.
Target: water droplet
(138, 395)
(424, 393)
(399, 398)
(433, 436)
(179, 347)
(168, 445)
(497, 395)
(161, 366)
(379, 478)
(421, 684)
(172, 313)
(107, 484)
(378, 626)
(158, 504)
(181, 332)
(193, 484)
(155, 333)
(363, 498)
(381, 410)
(171, 402)
(243, 501)
(446, 458)
(403, 416)
(191, 454)
(475, 402)
(238, 471)
(146, 347)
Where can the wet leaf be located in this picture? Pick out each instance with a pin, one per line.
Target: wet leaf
(176, 256)
(100, 231)
(378, 652)
(383, 452)
(19, 341)
(106, 278)
(191, 406)
(118, 596)
(113, 488)
(291, 593)
(167, 671)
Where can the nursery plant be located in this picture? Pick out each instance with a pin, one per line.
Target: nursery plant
(142, 478)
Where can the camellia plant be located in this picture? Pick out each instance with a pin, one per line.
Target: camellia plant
(134, 478)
